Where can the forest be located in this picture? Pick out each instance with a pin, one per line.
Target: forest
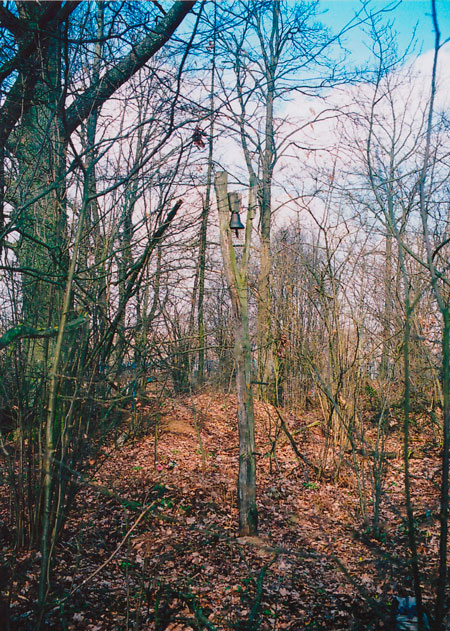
(224, 315)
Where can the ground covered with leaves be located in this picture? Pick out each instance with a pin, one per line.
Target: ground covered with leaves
(151, 543)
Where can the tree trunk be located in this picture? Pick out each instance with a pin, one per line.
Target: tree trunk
(237, 278)
(265, 361)
(388, 308)
(204, 230)
(41, 152)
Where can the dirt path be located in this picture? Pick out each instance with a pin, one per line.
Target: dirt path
(164, 532)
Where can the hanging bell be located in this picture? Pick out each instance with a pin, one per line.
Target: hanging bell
(236, 223)
(234, 204)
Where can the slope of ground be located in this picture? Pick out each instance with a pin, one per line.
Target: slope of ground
(152, 542)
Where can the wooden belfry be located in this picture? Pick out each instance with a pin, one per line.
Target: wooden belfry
(236, 273)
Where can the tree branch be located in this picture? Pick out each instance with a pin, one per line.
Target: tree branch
(23, 331)
(20, 97)
(10, 21)
(98, 93)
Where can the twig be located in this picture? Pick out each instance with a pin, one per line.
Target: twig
(112, 555)
(294, 444)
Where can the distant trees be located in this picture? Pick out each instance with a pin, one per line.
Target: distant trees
(264, 50)
(273, 52)
(297, 329)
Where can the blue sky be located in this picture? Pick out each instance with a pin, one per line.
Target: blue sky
(405, 17)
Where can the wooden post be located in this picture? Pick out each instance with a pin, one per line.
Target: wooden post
(236, 274)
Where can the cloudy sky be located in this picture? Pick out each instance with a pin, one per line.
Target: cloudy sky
(406, 15)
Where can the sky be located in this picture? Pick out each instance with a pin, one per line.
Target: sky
(405, 17)
(410, 99)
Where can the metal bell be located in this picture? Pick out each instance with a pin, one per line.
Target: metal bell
(236, 223)
(234, 203)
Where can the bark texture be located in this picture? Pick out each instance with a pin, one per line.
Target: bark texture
(237, 275)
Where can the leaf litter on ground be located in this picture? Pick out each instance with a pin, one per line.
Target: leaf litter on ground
(161, 550)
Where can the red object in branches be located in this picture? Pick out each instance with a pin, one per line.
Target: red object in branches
(198, 136)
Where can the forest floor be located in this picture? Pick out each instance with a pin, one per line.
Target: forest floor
(151, 543)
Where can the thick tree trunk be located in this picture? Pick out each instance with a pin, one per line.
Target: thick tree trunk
(41, 152)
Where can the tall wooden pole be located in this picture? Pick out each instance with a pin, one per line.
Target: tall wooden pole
(236, 274)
